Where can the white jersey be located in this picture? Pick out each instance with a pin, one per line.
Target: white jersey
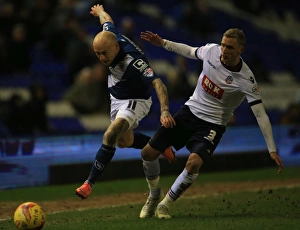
(219, 91)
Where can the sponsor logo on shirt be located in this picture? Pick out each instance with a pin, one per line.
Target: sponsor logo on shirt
(229, 80)
(212, 88)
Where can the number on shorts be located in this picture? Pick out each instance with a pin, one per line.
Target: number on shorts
(211, 135)
(131, 105)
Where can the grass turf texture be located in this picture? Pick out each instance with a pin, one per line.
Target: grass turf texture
(274, 208)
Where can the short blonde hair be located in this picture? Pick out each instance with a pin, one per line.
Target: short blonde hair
(237, 34)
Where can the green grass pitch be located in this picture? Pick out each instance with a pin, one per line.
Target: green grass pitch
(272, 208)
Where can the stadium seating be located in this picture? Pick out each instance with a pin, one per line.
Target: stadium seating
(277, 55)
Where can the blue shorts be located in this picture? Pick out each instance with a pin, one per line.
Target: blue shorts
(197, 135)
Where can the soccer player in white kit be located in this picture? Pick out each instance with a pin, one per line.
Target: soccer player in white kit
(225, 81)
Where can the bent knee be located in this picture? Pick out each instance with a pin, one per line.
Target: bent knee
(149, 153)
(121, 145)
(194, 163)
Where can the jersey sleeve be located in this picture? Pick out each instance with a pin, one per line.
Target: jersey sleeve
(109, 27)
(202, 50)
(136, 82)
(251, 89)
(142, 68)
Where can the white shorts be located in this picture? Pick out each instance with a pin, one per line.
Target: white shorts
(133, 110)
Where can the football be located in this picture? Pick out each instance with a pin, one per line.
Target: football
(29, 216)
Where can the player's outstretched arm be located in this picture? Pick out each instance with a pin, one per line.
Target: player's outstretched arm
(98, 11)
(266, 129)
(152, 38)
(179, 48)
(278, 161)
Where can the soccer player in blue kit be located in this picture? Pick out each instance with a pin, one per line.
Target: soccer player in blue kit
(130, 84)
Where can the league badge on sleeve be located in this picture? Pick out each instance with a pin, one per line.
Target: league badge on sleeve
(148, 72)
(255, 89)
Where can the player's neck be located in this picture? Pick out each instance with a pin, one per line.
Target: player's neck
(234, 68)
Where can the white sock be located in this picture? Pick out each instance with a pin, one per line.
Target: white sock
(154, 187)
(167, 201)
(181, 184)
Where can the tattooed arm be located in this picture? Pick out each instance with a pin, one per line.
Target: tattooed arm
(162, 94)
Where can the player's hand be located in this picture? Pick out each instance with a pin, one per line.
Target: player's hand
(167, 120)
(278, 161)
(95, 9)
(154, 39)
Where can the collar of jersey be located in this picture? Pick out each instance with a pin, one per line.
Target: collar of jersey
(119, 57)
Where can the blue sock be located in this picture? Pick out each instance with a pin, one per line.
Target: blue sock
(103, 157)
(140, 140)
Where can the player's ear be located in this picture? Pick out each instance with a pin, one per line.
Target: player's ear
(242, 49)
(117, 45)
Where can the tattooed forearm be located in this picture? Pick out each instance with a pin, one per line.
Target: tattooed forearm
(162, 94)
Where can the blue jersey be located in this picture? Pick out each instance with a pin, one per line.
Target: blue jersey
(130, 74)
